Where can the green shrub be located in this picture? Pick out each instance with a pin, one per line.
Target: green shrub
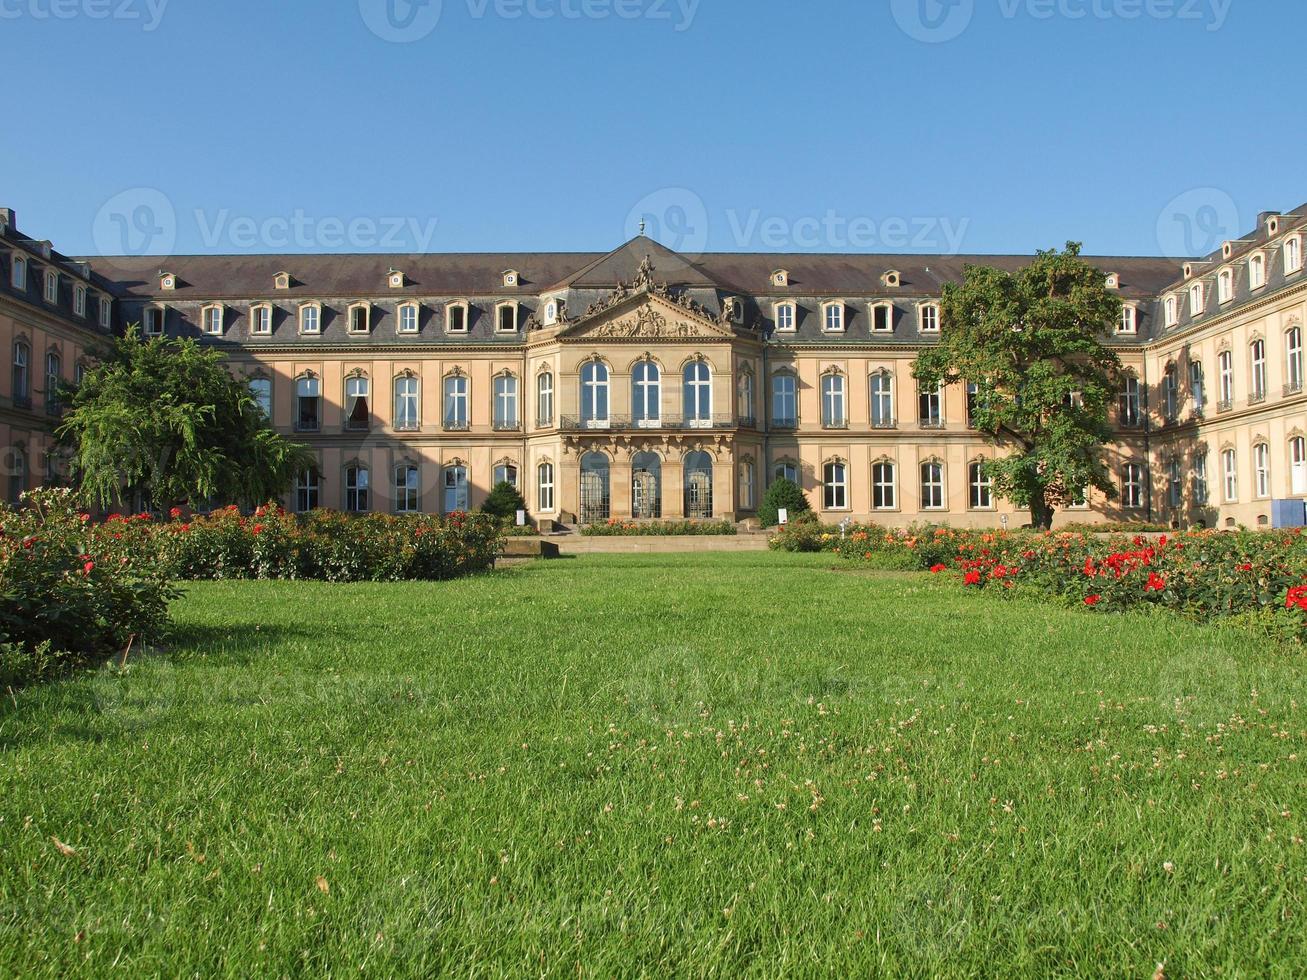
(803, 533)
(615, 528)
(504, 501)
(786, 494)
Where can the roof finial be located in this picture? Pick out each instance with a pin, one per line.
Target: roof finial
(642, 227)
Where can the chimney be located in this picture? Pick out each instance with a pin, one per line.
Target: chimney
(8, 219)
(1266, 216)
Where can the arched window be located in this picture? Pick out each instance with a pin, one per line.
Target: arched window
(833, 415)
(833, 317)
(17, 474)
(646, 394)
(697, 380)
(1129, 409)
(22, 388)
(784, 400)
(646, 486)
(308, 406)
(1132, 486)
(594, 395)
(505, 472)
(1256, 272)
(1298, 466)
(882, 400)
(594, 488)
(982, 487)
(311, 318)
(261, 319)
(360, 318)
(54, 377)
(408, 318)
(932, 485)
(884, 495)
(456, 403)
(1230, 476)
(787, 469)
(744, 398)
(455, 488)
(1197, 301)
(356, 488)
(408, 497)
(545, 487)
(1293, 360)
(698, 476)
(545, 400)
(505, 414)
(211, 318)
(1200, 479)
(1225, 286)
(1226, 364)
(1257, 361)
(308, 486)
(408, 390)
(1170, 394)
(748, 485)
(261, 392)
(1171, 317)
(1292, 255)
(785, 317)
(358, 415)
(1262, 469)
(835, 485)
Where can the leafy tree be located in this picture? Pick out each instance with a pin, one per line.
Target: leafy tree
(1029, 341)
(782, 493)
(504, 501)
(165, 418)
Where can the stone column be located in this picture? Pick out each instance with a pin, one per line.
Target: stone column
(724, 488)
(567, 487)
(619, 487)
(673, 489)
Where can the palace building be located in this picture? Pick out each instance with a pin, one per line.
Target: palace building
(646, 384)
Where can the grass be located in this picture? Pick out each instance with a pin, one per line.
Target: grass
(688, 764)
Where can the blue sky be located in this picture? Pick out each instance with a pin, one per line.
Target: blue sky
(1138, 126)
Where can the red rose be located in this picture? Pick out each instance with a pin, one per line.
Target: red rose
(88, 568)
(175, 513)
(1155, 583)
(1093, 600)
(936, 569)
(258, 528)
(973, 578)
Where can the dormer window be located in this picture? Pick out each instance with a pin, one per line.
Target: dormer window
(1292, 254)
(154, 320)
(281, 280)
(261, 319)
(1227, 249)
(1196, 300)
(1225, 286)
(1172, 314)
(106, 312)
(211, 320)
(51, 286)
(929, 317)
(1113, 280)
(311, 318)
(360, 318)
(882, 318)
(18, 273)
(1273, 225)
(1129, 319)
(786, 317)
(780, 279)
(506, 318)
(1257, 271)
(395, 278)
(551, 312)
(167, 280)
(79, 300)
(456, 317)
(891, 279)
(833, 317)
(511, 279)
(408, 318)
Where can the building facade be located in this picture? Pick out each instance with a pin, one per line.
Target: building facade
(646, 384)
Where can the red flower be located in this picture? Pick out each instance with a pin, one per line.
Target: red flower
(936, 569)
(1155, 583)
(175, 513)
(1246, 567)
(258, 528)
(88, 568)
(1089, 568)
(1297, 597)
(1093, 600)
(973, 578)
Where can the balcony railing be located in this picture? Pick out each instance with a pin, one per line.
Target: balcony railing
(358, 425)
(748, 422)
(884, 424)
(1256, 397)
(1293, 388)
(1224, 405)
(785, 423)
(573, 423)
(308, 425)
(506, 425)
(834, 423)
(456, 425)
(22, 401)
(404, 426)
(931, 423)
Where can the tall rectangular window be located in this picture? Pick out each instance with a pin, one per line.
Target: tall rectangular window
(212, 319)
(261, 319)
(408, 497)
(930, 318)
(1262, 469)
(982, 487)
(261, 392)
(79, 300)
(308, 486)
(1200, 479)
(407, 418)
(455, 414)
(1257, 358)
(832, 402)
(1197, 387)
(784, 402)
(505, 408)
(1230, 474)
(1226, 365)
(785, 317)
(1132, 487)
(932, 485)
(836, 486)
(930, 408)
(545, 399)
(310, 319)
(883, 492)
(456, 318)
(52, 287)
(358, 415)
(834, 317)
(882, 318)
(882, 401)
(545, 487)
(1293, 360)
(308, 399)
(408, 318)
(18, 273)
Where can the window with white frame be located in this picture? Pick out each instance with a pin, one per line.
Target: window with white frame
(545, 487)
(1298, 466)
(455, 489)
(784, 400)
(545, 398)
(79, 300)
(835, 485)
(1292, 254)
(1132, 486)
(1225, 365)
(308, 488)
(505, 407)
(1196, 300)
(1225, 286)
(408, 489)
(311, 318)
(1293, 359)
(308, 404)
(1170, 393)
(54, 377)
(884, 494)
(833, 317)
(106, 312)
(51, 286)
(408, 318)
(882, 318)
(1171, 311)
(1197, 385)
(1262, 469)
(22, 378)
(1175, 487)
(1129, 319)
(1257, 271)
(506, 318)
(882, 400)
(261, 319)
(785, 317)
(504, 472)
(358, 396)
(747, 485)
(261, 392)
(456, 318)
(1257, 364)
(929, 313)
(932, 485)
(18, 273)
(744, 397)
(1130, 402)
(154, 318)
(456, 402)
(594, 395)
(646, 394)
(832, 402)
(551, 312)
(930, 407)
(697, 389)
(360, 318)
(211, 320)
(982, 487)
(408, 393)
(1201, 493)
(1230, 473)
(356, 488)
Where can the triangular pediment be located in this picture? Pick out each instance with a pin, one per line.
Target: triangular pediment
(623, 263)
(649, 316)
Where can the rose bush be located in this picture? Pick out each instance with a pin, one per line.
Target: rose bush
(616, 528)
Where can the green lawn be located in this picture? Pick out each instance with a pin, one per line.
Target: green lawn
(700, 764)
